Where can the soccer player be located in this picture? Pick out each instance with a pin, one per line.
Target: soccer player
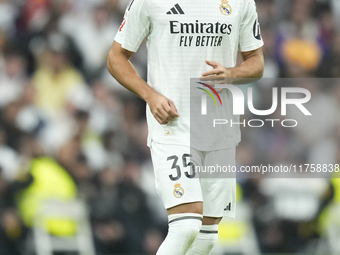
(187, 39)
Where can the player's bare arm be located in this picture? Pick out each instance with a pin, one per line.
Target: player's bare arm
(251, 68)
(118, 64)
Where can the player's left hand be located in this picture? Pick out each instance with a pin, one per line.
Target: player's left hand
(219, 74)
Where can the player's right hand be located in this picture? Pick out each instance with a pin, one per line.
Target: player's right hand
(162, 108)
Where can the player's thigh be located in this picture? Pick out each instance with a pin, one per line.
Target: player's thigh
(219, 191)
(175, 178)
(211, 220)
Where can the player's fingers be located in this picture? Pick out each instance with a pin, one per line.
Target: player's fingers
(163, 115)
(160, 121)
(170, 114)
(218, 77)
(212, 72)
(173, 110)
(158, 111)
(212, 63)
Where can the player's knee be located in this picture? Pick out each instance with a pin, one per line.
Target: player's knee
(205, 240)
(189, 229)
(185, 226)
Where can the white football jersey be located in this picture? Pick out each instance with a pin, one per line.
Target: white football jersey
(180, 35)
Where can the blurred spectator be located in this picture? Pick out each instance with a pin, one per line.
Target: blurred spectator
(293, 203)
(38, 184)
(30, 119)
(34, 15)
(8, 14)
(105, 113)
(12, 74)
(122, 206)
(298, 47)
(55, 78)
(94, 37)
(9, 159)
(8, 117)
(39, 41)
(71, 154)
(11, 230)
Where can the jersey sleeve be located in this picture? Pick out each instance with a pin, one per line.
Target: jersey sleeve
(250, 34)
(135, 26)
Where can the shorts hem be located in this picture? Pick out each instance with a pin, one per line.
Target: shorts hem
(230, 215)
(181, 203)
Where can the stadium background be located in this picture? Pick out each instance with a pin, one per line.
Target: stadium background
(57, 101)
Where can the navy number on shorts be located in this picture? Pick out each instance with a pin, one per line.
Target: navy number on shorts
(178, 169)
(185, 164)
(174, 165)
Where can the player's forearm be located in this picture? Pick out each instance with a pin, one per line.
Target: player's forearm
(251, 68)
(123, 71)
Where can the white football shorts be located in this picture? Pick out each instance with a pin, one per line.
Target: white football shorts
(177, 183)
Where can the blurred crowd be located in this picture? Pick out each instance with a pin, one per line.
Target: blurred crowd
(57, 100)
